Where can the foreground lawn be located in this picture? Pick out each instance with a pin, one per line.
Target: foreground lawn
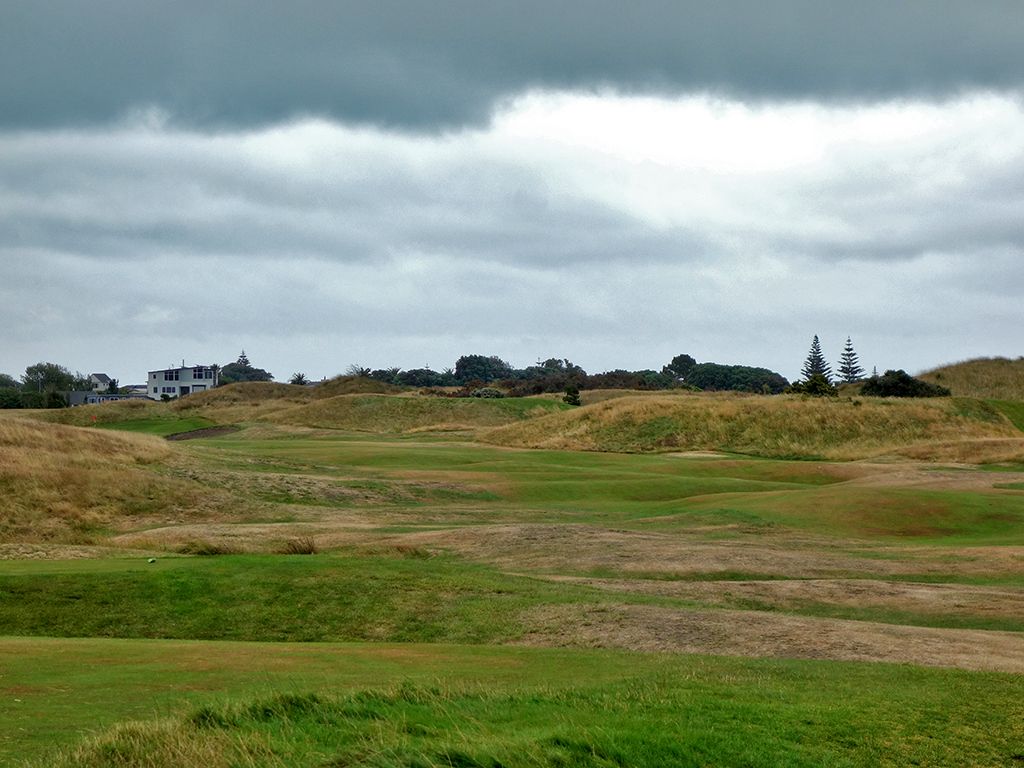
(423, 705)
(404, 597)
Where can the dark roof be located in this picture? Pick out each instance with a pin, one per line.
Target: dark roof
(102, 378)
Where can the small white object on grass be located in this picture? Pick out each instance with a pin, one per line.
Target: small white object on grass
(151, 560)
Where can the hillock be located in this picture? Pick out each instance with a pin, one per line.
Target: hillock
(65, 484)
(997, 378)
(391, 414)
(782, 427)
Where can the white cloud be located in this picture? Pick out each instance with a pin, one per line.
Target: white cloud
(615, 230)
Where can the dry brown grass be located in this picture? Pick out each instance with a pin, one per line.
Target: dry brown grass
(998, 378)
(106, 413)
(66, 484)
(781, 426)
(391, 414)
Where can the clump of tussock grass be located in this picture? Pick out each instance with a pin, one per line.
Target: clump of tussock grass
(303, 545)
(780, 426)
(997, 378)
(165, 743)
(406, 551)
(204, 548)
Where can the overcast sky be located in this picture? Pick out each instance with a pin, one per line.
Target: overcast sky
(400, 183)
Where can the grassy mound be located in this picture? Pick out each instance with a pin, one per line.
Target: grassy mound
(106, 413)
(60, 483)
(390, 414)
(353, 385)
(996, 378)
(785, 427)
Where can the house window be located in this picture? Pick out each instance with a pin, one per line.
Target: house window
(171, 375)
(169, 390)
(154, 390)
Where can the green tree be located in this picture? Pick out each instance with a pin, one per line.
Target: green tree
(680, 367)
(815, 362)
(850, 369)
(739, 378)
(112, 387)
(817, 385)
(572, 395)
(298, 379)
(10, 398)
(243, 370)
(481, 368)
(50, 377)
(9, 382)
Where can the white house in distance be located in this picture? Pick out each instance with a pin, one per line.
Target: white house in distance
(185, 380)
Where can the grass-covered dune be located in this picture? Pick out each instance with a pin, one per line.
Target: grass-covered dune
(64, 485)
(59, 482)
(782, 426)
(390, 414)
(997, 378)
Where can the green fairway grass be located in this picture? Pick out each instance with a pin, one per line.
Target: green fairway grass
(325, 704)
(144, 580)
(159, 427)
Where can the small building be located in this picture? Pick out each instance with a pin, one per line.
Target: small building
(89, 397)
(175, 382)
(100, 382)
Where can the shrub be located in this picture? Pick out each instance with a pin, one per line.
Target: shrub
(817, 385)
(572, 395)
(304, 545)
(487, 392)
(204, 548)
(10, 398)
(901, 384)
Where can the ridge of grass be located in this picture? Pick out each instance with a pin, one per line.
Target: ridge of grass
(778, 426)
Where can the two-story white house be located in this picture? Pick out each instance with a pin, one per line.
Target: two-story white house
(185, 380)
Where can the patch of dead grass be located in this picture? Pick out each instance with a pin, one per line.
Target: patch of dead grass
(760, 634)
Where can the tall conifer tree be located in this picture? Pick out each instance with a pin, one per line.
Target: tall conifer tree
(849, 366)
(815, 362)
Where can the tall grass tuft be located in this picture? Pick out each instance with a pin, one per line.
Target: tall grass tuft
(303, 545)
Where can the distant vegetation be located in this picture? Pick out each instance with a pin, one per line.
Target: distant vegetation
(901, 384)
(997, 378)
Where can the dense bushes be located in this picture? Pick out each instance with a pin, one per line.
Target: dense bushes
(740, 378)
(901, 384)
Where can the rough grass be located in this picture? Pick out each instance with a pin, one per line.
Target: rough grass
(996, 378)
(389, 414)
(713, 713)
(61, 483)
(781, 426)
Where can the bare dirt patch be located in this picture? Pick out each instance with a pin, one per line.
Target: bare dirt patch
(196, 434)
(751, 633)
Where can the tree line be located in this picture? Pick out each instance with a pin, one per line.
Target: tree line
(488, 376)
(819, 381)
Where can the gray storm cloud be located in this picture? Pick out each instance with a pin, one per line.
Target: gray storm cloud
(546, 233)
(424, 66)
